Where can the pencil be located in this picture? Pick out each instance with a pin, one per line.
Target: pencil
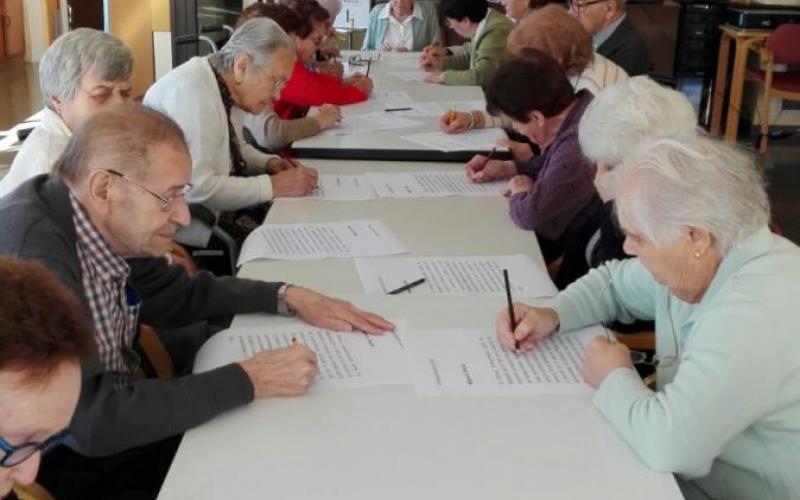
(511, 309)
(289, 159)
(451, 115)
(406, 287)
(491, 154)
(369, 63)
(389, 110)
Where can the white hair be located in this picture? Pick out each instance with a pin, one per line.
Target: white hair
(258, 38)
(628, 113)
(73, 54)
(691, 180)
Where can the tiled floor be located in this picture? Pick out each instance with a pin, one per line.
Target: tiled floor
(20, 97)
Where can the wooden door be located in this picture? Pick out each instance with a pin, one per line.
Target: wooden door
(2, 31)
(13, 28)
(85, 14)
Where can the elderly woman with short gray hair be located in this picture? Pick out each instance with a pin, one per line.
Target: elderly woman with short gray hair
(616, 122)
(82, 72)
(206, 97)
(723, 291)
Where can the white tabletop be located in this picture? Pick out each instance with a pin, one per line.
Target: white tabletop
(453, 225)
(387, 443)
(387, 144)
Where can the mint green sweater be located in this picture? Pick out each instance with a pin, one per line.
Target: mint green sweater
(726, 417)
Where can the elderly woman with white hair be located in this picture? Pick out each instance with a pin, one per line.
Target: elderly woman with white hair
(723, 291)
(619, 119)
(82, 72)
(206, 97)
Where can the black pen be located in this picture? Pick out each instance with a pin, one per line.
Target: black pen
(369, 63)
(511, 309)
(389, 110)
(406, 287)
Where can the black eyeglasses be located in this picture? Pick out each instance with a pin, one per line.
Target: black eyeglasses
(15, 455)
(580, 6)
(166, 203)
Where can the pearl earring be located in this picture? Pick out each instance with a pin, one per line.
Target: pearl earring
(697, 255)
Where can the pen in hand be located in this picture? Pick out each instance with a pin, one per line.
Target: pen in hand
(511, 310)
(491, 154)
(407, 287)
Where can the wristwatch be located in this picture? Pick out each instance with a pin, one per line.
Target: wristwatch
(283, 306)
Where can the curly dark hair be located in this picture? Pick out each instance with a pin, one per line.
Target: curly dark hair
(43, 324)
(281, 14)
(309, 13)
(531, 81)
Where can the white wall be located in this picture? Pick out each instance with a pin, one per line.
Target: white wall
(35, 37)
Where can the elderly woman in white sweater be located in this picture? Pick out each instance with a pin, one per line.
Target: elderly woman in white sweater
(84, 71)
(206, 97)
(723, 291)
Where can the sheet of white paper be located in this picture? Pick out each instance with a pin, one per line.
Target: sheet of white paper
(437, 109)
(344, 359)
(334, 187)
(473, 275)
(471, 140)
(431, 184)
(357, 238)
(409, 75)
(474, 363)
(391, 98)
(369, 122)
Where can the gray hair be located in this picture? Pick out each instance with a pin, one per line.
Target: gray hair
(691, 180)
(118, 137)
(628, 113)
(73, 54)
(258, 38)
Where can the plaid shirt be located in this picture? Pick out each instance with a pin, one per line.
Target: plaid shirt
(115, 308)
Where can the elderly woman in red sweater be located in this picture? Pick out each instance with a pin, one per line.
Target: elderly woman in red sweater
(308, 87)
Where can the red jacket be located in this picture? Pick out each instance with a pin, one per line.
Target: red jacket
(308, 88)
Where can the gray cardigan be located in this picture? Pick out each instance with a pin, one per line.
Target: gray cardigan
(36, 224)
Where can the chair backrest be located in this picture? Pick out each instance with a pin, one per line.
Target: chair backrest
(785, 44)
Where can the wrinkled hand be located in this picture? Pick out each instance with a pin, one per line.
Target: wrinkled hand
(432, 58)
(294, 182)
(454, 122)
(520, 151)
(327, 116)
(603, 357)
(434, 78)
(361, 82)
(479, 170)
(287, 371)
(277, 164)
(533, 324)
(330, 67)
(520, 184)
(327, 312)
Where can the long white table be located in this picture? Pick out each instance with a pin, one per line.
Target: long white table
(427, 226)
(387, 144)
(385, 442)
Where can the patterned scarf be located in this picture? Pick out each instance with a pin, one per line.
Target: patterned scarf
(238, 165)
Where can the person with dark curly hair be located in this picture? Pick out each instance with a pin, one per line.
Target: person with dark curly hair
(43, 338)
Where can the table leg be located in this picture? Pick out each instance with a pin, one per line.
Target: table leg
(737, 87)
(719, 84)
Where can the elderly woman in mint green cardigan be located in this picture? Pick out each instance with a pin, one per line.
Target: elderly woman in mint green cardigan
(487, 31)
(723, 291)
(389, 26)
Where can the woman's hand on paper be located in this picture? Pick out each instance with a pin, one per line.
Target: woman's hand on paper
(533, 324)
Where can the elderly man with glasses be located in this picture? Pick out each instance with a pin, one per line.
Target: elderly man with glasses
(613, 34)
(115, 202)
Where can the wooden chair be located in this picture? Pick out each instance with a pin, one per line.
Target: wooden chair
(33, 491)
(156, 353)
(782, 47)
